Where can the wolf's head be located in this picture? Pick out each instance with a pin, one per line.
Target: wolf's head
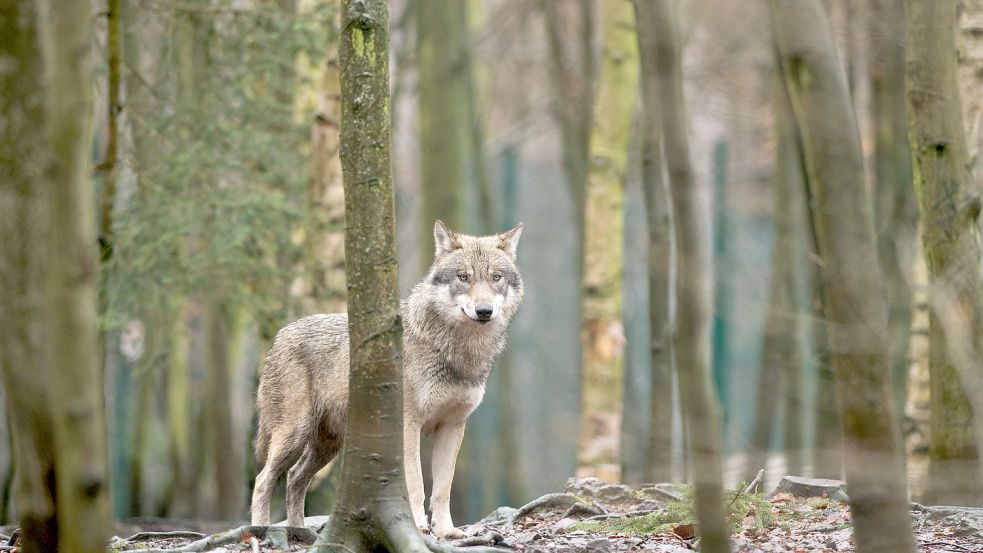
(474, 279)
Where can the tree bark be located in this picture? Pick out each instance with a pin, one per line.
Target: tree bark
(602, 334)
(895, 205)
(372, 510)
(853, 292)
(950, 207)
(444, 136)
(694, 275)
(49, 350)
(658, 211)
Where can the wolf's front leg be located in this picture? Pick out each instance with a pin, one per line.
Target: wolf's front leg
(411, 466)
(446, 443)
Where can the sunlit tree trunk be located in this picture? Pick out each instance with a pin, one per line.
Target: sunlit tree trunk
(372, 510)
(896, 211)
(658, 209)
(602, 334)
(49, 332)
(950, 208)
(852, 288)
(694, 288)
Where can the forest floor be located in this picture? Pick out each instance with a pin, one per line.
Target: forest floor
(592, 516)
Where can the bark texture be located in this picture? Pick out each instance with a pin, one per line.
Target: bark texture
(853, 293)
(694, 281)
(602, 333)
(372, 510)
(950, 207)
(49, 350)
(658, 211)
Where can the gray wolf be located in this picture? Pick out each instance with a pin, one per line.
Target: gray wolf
(454, 326)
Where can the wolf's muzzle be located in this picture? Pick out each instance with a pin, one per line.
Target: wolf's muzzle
(483, 311)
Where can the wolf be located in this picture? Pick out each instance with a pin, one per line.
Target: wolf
(454, 326)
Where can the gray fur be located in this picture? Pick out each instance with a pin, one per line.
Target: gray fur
(447, 357)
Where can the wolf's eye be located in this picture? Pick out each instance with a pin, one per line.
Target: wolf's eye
(463, 277)
(496, 278)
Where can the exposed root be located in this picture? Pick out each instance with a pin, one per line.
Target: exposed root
(488, 538)
(606, 516)
(437, 547)
(164, 535)
(237, 535)
(584, 508)
(550, 500)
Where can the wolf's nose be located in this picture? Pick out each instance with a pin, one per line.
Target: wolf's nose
(484, 311)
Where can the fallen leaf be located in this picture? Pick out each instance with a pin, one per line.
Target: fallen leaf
(685, 531)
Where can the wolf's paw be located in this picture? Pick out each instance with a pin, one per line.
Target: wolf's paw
(449, 533)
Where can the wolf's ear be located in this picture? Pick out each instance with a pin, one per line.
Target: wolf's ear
(445, 240)
(509, 240)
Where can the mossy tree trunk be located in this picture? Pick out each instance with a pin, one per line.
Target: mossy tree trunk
(658, 210)
(372, 510)
(602, 335)
(950, 207)
(896, 210)
(441, 37)
(694, 281)
(853, 291)
(49, 332)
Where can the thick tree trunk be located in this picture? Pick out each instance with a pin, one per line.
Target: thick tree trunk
(326, 197)
(444, 137)
(49, 350)
(658, 210)
(895, 205)
(853, 292)
(950, 207)
(372, 510)
(602, 334)
(694, 288)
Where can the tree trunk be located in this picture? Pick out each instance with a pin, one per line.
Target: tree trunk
(853, 292)
(224, 331)
(326, 197)
(950, 207)
(895, 205)
(372, 510)
(694, 288)
(602, 333)
(444, 137)
(658, 210)
(970, 74)
(49, 349)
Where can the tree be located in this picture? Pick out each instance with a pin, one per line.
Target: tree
(895, 208)
(658, 210)
(49, 336)
(604, 217)
(853, 294)
(694, 296)
(950, 206)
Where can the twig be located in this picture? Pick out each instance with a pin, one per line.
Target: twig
(164, 535)
(947, 544)
(754, 483)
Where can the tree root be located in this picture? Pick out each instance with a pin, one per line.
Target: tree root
(629, 514)
(164, 535)
(584, 508)
(280, 534)
(490, 537)
(478, 547)
(550, 500)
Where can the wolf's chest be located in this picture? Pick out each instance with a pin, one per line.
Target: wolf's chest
(445, 402)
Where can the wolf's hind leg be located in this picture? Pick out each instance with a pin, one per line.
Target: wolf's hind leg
(317, 454)
(446, 443)
(414, 473)
(280, 455)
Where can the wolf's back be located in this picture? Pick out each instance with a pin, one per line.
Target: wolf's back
(304, 382)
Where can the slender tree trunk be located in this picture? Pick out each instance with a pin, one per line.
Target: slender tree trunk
(694, 288)
(444, 137)
(326, 196)
(950, 207)
(895, 205)
(658, 210)
(602, 333)
(853, 292)
(49, 351)
(372, 510)
(181, 488)
(224, 327)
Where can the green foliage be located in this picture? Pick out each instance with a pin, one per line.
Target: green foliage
(740, 505)
(219, 162)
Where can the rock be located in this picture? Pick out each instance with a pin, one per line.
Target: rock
(799, 486)
(615, 493)
(314, 523)
(564, 523)
(527, 537)
(598, 546)
(586, 488)
(501, 513)
(965, 521)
